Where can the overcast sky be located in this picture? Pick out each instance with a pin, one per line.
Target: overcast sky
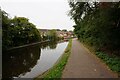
(45, 14)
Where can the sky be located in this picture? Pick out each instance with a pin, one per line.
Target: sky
(45, 14)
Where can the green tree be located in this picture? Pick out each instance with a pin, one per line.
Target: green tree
(97, 24)
(52, 34)
(18, 31)
(65, 30)
(24, 30)
(6, 39)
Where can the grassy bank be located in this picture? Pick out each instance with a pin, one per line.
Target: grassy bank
(56, 70)
(112, 61)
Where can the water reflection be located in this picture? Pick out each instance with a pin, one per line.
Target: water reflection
(49, 45)
(18, 62)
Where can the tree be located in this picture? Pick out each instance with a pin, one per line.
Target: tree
(52, 34)
(24, 30)
(18, 31)
(6, 39)
(97, 24)
(65, 30)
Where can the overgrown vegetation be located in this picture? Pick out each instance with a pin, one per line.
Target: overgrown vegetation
(98, 25)
(17, 31)
(52, 35)
(56, 71)
(112, 61)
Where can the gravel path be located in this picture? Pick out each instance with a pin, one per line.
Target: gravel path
(83, 64)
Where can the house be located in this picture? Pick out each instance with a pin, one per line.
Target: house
(64, 34)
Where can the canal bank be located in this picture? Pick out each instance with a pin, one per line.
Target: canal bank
(28, 45)
(33, 60)
(56, 70)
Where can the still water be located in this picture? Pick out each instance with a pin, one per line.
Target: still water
(31, 61)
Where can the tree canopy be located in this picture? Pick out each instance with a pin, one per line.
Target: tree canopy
(52, 34)
(18, 31)
(97, 24)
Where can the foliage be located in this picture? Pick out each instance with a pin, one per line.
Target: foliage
(112, 61)
(97, 24)
(56, 71)
(52, 35)
(18, 31)
(65, 30)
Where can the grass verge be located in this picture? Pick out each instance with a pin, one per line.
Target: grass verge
(113, 62)
(56, 70)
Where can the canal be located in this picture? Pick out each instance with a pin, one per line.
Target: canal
(31, 61)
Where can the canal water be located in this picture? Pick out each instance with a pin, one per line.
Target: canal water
(31, 61)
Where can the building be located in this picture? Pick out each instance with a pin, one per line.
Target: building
(63, 34)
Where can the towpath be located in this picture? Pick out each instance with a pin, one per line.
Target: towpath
(83, 64)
